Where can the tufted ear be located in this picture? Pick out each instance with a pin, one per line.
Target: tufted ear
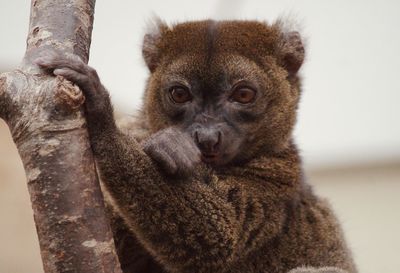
(292, 51)
(151, 42)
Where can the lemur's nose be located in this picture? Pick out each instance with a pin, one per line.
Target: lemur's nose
(208, 139)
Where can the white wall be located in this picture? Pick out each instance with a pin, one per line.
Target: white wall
(350, 108)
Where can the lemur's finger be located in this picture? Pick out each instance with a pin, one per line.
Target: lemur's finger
(52, 61)
(71, 75)
(162, 158)
(79, 79)
(192, 151)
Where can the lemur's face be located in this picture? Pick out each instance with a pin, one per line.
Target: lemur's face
(232, 103)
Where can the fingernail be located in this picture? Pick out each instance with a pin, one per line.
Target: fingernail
(59, 71)
(40, 61)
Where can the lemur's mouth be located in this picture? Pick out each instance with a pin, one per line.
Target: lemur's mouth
(210, 157)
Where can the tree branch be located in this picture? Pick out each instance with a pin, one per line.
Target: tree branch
(46, 120)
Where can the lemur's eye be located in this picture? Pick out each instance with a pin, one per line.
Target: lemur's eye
(243, 94)
(180, 94)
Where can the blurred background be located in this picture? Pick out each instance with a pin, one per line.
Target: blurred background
(348, 128)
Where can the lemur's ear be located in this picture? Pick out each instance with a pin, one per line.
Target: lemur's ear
(291, 46)
(292, 51)
(151, 41)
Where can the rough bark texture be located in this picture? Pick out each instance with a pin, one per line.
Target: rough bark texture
(46, 120)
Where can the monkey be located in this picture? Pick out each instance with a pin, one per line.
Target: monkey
(214, 181)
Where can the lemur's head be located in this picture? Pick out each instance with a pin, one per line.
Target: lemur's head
(232, 85)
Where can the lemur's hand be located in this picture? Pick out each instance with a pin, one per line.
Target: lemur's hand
(75, 70)
(174, 151)
(99, 112)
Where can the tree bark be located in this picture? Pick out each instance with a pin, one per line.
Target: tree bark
(46, 120)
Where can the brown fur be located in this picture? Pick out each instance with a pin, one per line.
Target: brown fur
(259, 216)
